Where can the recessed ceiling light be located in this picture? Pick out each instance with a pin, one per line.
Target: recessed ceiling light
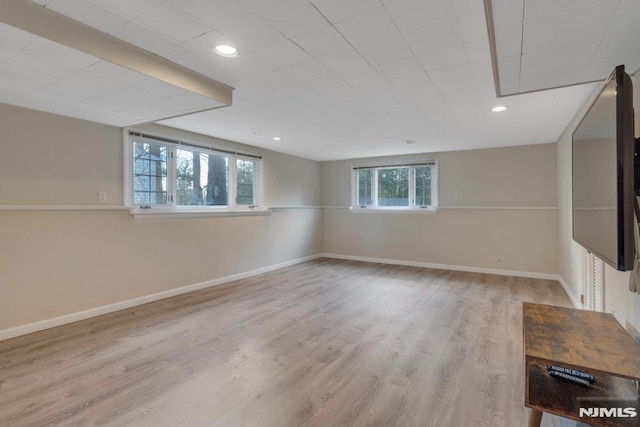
(499, 108)
(276, 138)
(226, 51)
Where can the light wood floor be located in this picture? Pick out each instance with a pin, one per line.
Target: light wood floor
(323, 343)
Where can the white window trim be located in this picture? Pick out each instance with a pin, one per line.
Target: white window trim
(172, 210)
(431, 209)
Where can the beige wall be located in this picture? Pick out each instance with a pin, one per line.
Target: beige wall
(497, 212)
(618, 299)
(55, 263)
(522, 176)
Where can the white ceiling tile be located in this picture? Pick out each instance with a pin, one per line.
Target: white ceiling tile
(378, 97)
(616, 49)
(250, 86)
(509, 66)
(401, 68)
(300, 90)
(25, 77)
(467, 7)
(573, 29)
(443, 58)
(51, 58)
(553, 60)
(10, 89)
(329, 84)
(416, 87)
(625, 20)
(40, 101)
(473, 27)
(509, 41)
(551, 79)
(456, 83)
(13, 39)
(207, 64)
(308, 70)
(173, 22)
(185, 101)
(339, 10)
(545, 9)
(283, 54)
(434, 36)
(323, 43)
(509, 85)
(369, 28)
(129, 8)
(256, 5)
(250, 64)
(250, 32)
(478, 50)
(214, 13)
(344, 63)
(107, 70)
(144, 37)
(277, 79)
(158, 87)
(90, 13)
(507, 13)
(413, 14)
(385, 51)
(306, 17)
(78, 88)
(366, 80)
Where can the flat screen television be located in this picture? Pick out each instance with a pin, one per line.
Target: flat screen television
(603, 151)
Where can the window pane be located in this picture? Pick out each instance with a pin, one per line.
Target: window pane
(246, 182)
(149, 173)
(363, 191)
(201, 178)
(393, 187)
(423, 185)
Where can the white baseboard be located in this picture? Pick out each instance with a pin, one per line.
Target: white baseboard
(572, 297)
(446, 267)
(98, 311)
(105, 309)
(532, 275)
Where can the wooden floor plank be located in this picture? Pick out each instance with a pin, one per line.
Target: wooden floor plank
(326, 342)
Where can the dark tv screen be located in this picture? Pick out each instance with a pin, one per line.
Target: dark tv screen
(603, 174)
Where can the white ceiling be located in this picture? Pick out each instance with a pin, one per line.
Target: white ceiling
(334, 78)
(40, 74)
(541, 44)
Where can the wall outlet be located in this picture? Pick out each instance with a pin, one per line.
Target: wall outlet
(102, 197)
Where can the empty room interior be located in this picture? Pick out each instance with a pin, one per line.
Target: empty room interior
(319, 212)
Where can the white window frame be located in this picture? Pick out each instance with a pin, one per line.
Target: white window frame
(232, 207)
(412, 207)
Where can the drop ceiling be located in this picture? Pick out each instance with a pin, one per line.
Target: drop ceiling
(335, 79)
(542, 44)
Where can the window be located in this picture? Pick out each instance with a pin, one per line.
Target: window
(175, 174)
(401, 186)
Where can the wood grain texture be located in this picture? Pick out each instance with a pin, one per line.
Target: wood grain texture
(582, 339)
(327, 342)
(588, 341)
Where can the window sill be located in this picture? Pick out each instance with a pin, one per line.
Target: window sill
(194, 213)
(394, 210)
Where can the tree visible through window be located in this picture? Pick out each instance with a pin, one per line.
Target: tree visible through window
(150, 174)
(180, 174)
(401, 186)
(202, 178)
